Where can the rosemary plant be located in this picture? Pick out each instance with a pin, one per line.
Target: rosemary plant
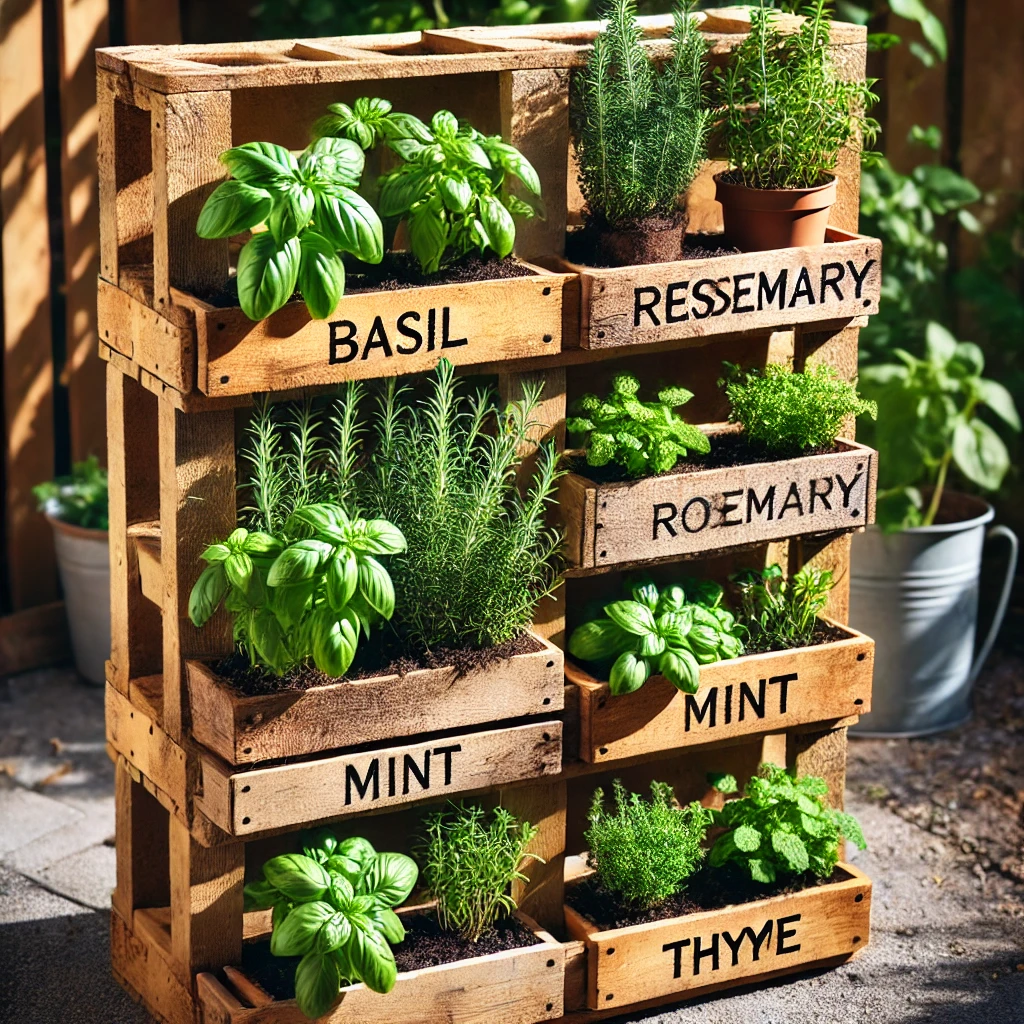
(787, 112)
(470, 859)
(640, 131)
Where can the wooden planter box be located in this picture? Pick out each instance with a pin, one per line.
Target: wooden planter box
(756, 693)
(720, 948)
(518, 986)
(244, 730)
(740, 292)
(679, 514)
(370, 334)
(246, 801)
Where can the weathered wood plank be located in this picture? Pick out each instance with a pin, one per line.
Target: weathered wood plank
(753, 694)
(682, 955)
(141, 844)
(261, 799)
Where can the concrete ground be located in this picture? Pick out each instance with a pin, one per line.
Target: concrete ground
(939, 951)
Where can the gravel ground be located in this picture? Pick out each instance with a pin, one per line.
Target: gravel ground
(941, 951)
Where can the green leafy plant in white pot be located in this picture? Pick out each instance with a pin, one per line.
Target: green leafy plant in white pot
(914, 578)
(76, 507)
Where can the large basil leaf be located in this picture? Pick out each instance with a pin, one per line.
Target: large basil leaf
(291, 212)
(238, 569)
(335, 932)
(260, 163)
(407, 126)
(681, 669)
(389, 923)
(262, 544)
(428, 236)
(334, 642)
(514, 162)
(343, 878)
(444, 124)
(261, 895)
(321, 275)
(456, 192)
(297, 877)
(597, 640)
(980, 454)
(317, 984)
(631, 616)
(233, 207)
(291, 603)
(339, 161)
(391, 878)
(501, 228)
(318, 518)
(342, 578)
(358, 852)
(295, 934)
(1000, 401)
(350, 223)
(629, 673)
(400, 189)
(380, 537)
(376, 587)
(270, 640)
(372, 959)
(207, 594)
(299, 562)
(267, 274)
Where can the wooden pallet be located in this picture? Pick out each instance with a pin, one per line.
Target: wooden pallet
(210, 785)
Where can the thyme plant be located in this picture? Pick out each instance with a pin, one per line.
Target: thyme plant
(787, 113)
(644, 850)
(640, 130)
(470, 859)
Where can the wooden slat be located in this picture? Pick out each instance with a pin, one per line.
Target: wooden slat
(686, 513)
(261, 799)
(375, 334)
(244, 730)
(141, 843)
(752, 694)
(25, 325)
(682, 955)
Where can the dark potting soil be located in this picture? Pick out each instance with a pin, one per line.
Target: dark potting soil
(425, 945)
(727, 450)
(581, 246)
(824, 633)
(254, 681)
(402, 270)
(708, 889)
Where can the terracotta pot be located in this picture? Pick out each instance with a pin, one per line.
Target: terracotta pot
(654, 239)
(757, 219)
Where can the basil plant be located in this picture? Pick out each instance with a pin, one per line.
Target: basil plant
(452, 189)
(312, 213)
(333, 906)
(671, 633)
(306, 595)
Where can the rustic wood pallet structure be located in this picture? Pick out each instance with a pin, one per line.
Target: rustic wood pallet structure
(210, 783)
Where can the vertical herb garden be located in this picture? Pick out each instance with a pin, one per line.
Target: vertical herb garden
(461, 670)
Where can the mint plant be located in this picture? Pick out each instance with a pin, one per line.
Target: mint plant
(929, 423)
(658, 633)
(644, 850)
(311, 211)
(452, 189)
(780, 826)
(777, 613)
(645, 438)
(333, 906)
(787, 113)
(790, 413)
(305, 595)
(471, 858)
(639, 127)
(80, 499)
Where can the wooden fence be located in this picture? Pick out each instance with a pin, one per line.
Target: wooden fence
(52, 379)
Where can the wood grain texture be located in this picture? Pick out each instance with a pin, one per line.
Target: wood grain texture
(821, 753)
(753, 694)
(25, 323)
(261, 799)
(746, 291)
(683, 955)
(380, 334)
(704, 510)
(141, 839)
(519, 986)
(244, 730)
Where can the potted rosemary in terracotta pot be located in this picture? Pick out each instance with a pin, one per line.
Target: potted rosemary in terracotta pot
(640, 133)
(787, 115)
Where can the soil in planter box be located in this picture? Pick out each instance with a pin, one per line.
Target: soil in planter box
(708, 889)
(582, 247)
(371, 660)
(425, 945)
(727, 451)
(824, 633)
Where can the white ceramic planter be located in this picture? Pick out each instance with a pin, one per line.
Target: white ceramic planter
(83, 557)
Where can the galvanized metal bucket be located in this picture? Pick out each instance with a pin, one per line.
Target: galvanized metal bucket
(916, 594)
(83, 557)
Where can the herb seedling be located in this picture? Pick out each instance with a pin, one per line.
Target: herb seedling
(789, 413)
(80, 499)
(661, 633)
(333, 906)
(778, 614)
(644, 850)
(470, 860)
(644, 438)
(780, 826)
